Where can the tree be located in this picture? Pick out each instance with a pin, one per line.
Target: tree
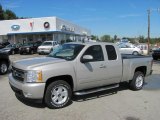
(1, 13)
(106, 38)
(141, 39)
(9, 15)
(93, 37)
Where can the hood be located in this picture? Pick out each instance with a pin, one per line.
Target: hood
(45, 46)
(35, 62)
(4, 49)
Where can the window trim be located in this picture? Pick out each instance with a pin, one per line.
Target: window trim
(94, 60)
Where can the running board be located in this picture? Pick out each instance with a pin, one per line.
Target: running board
(85, 92)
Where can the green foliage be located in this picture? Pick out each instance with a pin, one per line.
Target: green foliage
(7, 14)
(106, 38)
(94, 37)
(1, 13)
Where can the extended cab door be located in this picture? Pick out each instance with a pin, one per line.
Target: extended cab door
(113, 65)
(91, 74)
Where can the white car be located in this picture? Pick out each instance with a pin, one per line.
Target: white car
(47, 47)
(128, 48)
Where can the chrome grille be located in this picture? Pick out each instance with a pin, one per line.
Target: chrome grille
(18, 74)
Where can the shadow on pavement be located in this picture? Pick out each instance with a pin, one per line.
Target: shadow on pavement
(31, 103)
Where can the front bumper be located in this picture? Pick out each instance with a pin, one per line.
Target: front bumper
(28, 90)
(44, 51)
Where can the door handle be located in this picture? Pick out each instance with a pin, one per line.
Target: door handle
(102, 66)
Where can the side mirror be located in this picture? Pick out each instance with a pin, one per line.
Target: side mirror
(87, 58)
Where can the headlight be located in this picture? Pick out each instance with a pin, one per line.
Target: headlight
(34, 76)
(27, 48)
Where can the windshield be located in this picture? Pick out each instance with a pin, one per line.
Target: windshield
(67, 51)
(47, 44)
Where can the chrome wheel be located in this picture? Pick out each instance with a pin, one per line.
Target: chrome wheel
(59, 95)
(139, 81)
(3, 68)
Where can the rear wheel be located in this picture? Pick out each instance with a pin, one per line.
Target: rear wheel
(58, 94)
(135, 53)
(137, 81)
(3, 68)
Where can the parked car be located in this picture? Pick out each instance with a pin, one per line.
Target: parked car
(156, 54)
(47, 47)
(4, 63)
(11, 49)
(128, 48)
(29, 48)
(2, 45)
(78, 68)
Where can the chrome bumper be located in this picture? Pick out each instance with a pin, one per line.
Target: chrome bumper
(28, 90)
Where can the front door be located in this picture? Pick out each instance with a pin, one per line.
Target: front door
(92, 73)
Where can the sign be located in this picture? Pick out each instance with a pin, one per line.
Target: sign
(15, 27)
(66, 28)
(46, 25)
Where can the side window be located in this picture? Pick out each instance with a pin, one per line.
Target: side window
(96, 52)
(111, 52)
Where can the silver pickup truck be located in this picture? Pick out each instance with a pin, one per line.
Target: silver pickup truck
(79, 69)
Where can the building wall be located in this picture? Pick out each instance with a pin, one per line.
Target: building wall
(33, 29)
(28, 25)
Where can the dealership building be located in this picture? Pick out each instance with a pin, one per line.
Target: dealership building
(41, 29)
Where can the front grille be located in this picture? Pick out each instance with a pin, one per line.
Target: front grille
(18, 74)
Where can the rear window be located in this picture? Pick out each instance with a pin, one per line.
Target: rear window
(111, 52)
(47, 44)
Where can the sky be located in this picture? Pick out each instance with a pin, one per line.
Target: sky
(124, 18)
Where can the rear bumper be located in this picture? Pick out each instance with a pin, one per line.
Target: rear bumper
(28, 90)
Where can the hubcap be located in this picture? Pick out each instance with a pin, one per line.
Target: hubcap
(3, 68)
(59, 95)
(139, 81)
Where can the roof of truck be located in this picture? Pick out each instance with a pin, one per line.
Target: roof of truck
(91, 43)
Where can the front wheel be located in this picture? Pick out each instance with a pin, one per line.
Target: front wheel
(137, 81)
(58, 94)
(3, 68)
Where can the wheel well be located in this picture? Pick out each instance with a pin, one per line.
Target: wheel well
(5, 60)
(66, 78)
(142, 69)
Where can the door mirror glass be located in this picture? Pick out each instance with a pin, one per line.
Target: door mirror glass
(87, 58)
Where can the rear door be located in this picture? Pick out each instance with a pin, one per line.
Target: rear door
(113, 65)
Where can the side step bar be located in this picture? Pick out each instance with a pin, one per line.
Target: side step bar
(85, 92)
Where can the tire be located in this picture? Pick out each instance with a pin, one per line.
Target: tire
(137, 81)
(12, 52)
(155, 58)
(62, 94)
(31, 52)
(3, 68)
(135, 53)
(21, 53)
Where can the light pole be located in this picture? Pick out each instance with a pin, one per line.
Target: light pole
(148, 42)
(149, 20)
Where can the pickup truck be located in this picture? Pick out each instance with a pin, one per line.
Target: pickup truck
(4, 63)
(79, 69)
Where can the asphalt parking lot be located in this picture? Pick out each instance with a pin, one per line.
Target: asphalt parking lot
(119, 104)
